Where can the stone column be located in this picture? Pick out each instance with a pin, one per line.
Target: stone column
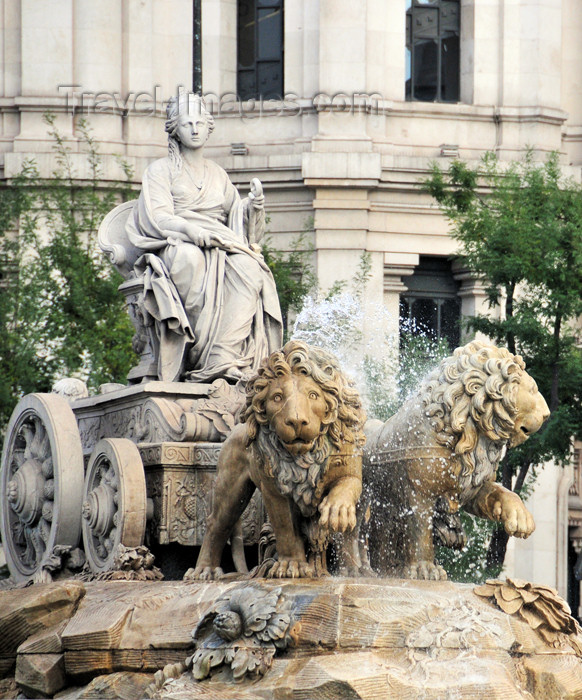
(397, 266)
(386, 48)
(157, 63)
(11, 71)
(564, 483)
(536, 558)
(473, 297)
(576, 539)
(341, 166)
(219, 24)
(574, 515)
(341, 209)
(46, 62)
(571, 62)
(98, 63)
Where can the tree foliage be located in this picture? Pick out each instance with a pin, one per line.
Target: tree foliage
(293, 274)
(520, 230)
(60, 311)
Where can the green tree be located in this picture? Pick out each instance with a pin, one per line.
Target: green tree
(60, 311)
(520, 230)
(293, 274)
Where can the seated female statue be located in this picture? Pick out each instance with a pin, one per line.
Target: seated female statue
(213, 298)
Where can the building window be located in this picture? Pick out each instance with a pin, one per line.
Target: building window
(432, 50)
(197, 48)
(260, 49)
(431, 305)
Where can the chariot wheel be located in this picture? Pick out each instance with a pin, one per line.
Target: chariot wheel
(114, 502)
(41, 483)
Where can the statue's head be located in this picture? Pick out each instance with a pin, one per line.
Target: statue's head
(188, 122)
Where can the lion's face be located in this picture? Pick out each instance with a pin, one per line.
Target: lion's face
(297, 411)
(532, 411)
(482, 395)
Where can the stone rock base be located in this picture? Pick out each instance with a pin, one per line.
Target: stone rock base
(355, 638)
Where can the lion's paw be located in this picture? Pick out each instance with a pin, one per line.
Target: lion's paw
(290, 568)
(516, 518)
(363, 571)
(426, 571)
(337, 513)
(204, 573)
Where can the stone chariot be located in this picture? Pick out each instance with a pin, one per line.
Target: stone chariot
(134, 464)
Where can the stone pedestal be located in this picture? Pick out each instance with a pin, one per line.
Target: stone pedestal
(352, 638)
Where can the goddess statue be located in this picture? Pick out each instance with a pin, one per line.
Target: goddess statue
(205, 283)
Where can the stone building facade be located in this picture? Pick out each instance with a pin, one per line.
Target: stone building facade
(369, 93)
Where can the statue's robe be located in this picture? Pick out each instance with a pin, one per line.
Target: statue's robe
(214, 310)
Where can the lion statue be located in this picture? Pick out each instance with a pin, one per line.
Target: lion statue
(300, 443)
(440, 453)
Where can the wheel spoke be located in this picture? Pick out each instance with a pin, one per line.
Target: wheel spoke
(47, 467)
(18, 535)
(37, 440)
(44, 529)
(44, 448)
(28, 436)
(37, 543)
(29, 554)
(109, 476)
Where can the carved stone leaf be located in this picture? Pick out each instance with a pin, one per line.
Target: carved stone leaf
(533, 619)
(251, 661)
(262, 627)
(277, 627)
(553, 617)
(219, 419)
(256, 608)
(257, 621)
(508, 593)
(204, 660)
(538, 605)
(242, 663)
(508, 606)
(543, 588)
(529, 596)
(517, 582)
(487, 590)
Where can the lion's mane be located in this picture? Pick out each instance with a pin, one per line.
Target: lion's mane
(346, 416)
(471, 402)
(300, 476)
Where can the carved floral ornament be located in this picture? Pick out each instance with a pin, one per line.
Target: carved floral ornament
(538, 605)
(244, 630)
(132, 564)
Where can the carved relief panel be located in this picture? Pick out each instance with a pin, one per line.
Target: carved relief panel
(180, 479)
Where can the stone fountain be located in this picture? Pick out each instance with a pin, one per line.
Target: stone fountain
(224, 436)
